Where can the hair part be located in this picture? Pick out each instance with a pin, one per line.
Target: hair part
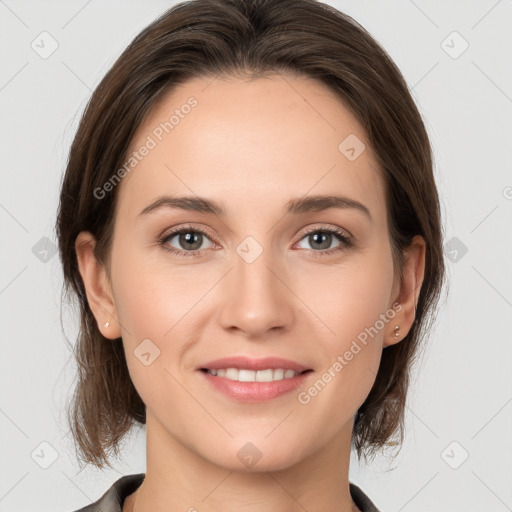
(210, 38)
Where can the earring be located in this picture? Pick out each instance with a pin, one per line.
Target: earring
(107, 324)
(396, 334)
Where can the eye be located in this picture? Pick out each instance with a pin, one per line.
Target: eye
(192, 239)
(322, 238)
(189, 238)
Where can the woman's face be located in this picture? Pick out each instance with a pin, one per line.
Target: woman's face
(257, 280)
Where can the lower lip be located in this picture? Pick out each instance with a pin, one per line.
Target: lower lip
(255, 391)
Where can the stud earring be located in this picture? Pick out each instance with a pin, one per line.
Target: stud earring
(107, 324)
(396, 334)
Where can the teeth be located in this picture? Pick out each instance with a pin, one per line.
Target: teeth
(253, 375)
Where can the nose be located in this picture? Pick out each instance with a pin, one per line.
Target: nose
(256, 297)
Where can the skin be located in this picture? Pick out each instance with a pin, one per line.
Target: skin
(252, 146)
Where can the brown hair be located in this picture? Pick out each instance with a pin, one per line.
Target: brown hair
(249, 38)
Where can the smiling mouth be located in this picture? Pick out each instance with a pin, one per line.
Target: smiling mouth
(245, 375)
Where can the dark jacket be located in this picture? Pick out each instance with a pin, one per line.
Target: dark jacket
(113, 499)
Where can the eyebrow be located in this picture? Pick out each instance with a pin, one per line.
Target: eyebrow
(294, 206)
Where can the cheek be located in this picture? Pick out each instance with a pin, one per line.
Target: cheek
(151, 297)
(350, 303)
(152, 306)
(349, 331)
(348, 299)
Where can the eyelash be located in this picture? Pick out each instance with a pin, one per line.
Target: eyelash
(345, 240)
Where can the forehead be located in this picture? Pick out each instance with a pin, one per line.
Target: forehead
(253, 141)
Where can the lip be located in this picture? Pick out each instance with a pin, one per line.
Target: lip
(247, 363)
(253, 392)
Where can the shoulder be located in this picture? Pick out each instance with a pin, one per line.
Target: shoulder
(361, 499)
(113, 498)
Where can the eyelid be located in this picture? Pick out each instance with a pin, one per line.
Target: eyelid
(325, 227)
(183, 227)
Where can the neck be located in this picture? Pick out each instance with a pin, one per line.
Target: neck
(179, 479)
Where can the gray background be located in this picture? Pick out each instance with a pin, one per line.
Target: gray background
(460, 401)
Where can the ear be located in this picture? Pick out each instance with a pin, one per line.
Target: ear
(406, 291)
(97, 286)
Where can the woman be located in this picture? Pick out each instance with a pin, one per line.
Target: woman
(250, 221)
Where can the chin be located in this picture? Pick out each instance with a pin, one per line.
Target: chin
(252, 457)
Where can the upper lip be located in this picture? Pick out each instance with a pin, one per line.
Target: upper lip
(247, 363)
